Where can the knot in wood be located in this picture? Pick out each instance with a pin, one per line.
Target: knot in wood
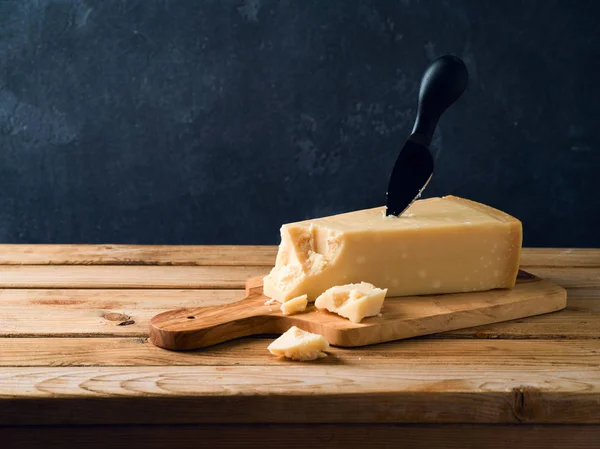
(113, 316)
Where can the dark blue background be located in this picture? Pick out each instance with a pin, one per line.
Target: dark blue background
(158, 121)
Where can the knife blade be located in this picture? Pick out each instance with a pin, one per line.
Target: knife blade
(442, 84)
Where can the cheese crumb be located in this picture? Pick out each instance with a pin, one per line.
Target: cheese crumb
(270, 302)
(353, 301)
(294, 305)
(297, 344)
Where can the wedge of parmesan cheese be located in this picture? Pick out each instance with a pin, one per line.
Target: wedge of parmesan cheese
(440, 245)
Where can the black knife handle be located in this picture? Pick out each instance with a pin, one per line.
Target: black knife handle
(443, 83)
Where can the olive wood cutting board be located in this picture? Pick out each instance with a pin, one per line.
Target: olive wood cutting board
(402, 317)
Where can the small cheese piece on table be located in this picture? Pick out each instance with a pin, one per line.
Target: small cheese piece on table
(294, 305)
(352, 301)
(297, 344)
(439, 245)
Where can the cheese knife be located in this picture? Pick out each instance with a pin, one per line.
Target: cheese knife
(442, 84)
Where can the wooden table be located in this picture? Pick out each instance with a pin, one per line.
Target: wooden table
(76, 365)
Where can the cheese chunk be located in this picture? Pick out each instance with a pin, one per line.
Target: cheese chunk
(352, 301)
(294, 305)
(439, 245)
(297, 344)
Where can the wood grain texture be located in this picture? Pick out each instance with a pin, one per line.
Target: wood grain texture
(579, 320)
(55, 300)
(398, 392)
(404, 317)
(98, 313)
(573, 278)
(157, 298)
(561, 257)
(220, 255)
(300, 436)
(69, 313)
(185, 277)
(223, 255)
(101, 318)
(64, 352)
(39, 276)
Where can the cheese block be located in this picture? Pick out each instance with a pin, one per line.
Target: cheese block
(439, 245)
(294, 305)
(297, 344)
(352, 301)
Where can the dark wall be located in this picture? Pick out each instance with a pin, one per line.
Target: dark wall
(157, 121)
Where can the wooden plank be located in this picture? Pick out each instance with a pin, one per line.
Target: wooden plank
(560, 257)
(223, 255)
(99, 313)
(575, 322)
(98, 276)
(592, 295)
(78, 313)
(42, 276)
(66, 322)
(580, 320)
(570, 277)
(151, 299)
(155, 298)
(293, 393)
(245, 255)
(300, 436)
(140, 352)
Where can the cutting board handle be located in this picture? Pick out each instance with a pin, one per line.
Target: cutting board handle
(206, 326)
(443, 83)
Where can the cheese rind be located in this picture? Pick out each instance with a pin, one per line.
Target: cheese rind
(352, 301)
(440, 245)
(300, 345)
(294, 305)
